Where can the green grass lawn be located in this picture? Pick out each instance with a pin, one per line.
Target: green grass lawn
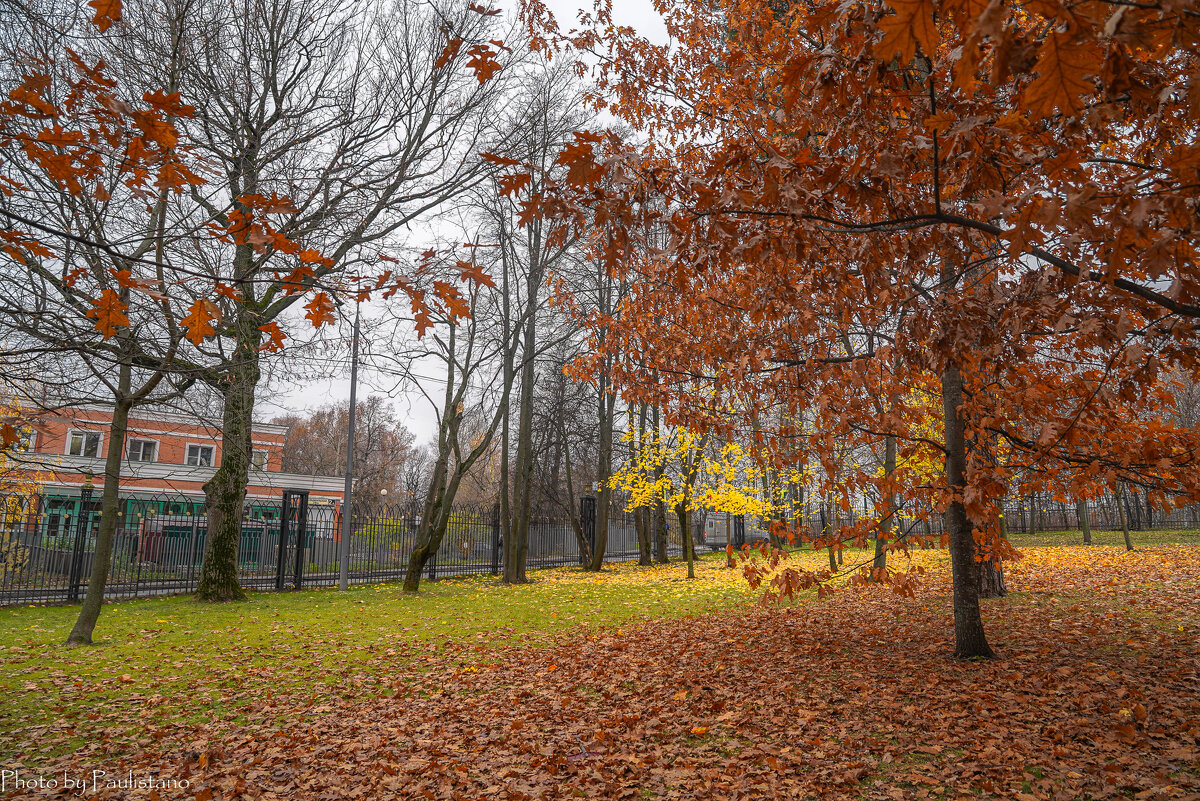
(1042, 538)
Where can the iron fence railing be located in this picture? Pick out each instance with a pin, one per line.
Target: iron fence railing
(48, 544)
(1023, 517)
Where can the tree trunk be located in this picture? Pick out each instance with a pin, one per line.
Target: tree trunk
(509, 374)
(225, 492)
(991, 571)
(991, 579)
(641, 523)
(884, 533)
(685, 533)
(1081, 512)
(969, 638)
(431, 530)
(581, 541)
(641, 515)
(661, 555)
(603, 473)
(516, 548)
(827, 533)
(110, 504)
(1124, 516)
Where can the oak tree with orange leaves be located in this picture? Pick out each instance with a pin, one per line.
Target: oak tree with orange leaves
(862, 200)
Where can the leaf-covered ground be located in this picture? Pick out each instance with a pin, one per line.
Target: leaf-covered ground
(1097, 694)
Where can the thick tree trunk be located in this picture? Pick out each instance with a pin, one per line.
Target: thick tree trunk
(991, 579)
(516, 548)
(991, 572)
(429, 539)
(432, 528)
(685, 533)
(110, 505)
(225, 492)
(603, 474)
(1081, 511)
(581, 541)
(969, 638)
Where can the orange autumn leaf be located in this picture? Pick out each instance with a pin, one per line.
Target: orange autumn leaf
(456, 304)
(483, 62)
(107, 12)
(472, 271)
(275, 337)
(199, 320)
(109, 313)
(912, 24)
(9, 435)
(1062, 80)
(320, 310)
(511, 184)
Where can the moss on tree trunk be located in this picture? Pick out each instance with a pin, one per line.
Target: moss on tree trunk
(225, 492)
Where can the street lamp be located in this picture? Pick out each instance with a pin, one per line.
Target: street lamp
(85, 497)
(344, 567)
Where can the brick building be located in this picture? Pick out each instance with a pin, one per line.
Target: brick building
(168, 458)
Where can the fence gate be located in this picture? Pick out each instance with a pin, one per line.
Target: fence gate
(293, 527)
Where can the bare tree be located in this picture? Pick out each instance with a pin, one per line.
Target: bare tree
(364, 116)
(316, 444)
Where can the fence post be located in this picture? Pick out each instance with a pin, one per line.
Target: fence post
(433, 567)
(496, 539)
(85, 497)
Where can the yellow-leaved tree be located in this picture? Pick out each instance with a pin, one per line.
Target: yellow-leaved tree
(684, 471)
(19, 488)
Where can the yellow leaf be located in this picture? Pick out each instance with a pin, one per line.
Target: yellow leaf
(699, 731)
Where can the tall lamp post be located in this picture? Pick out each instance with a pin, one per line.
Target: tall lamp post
(85, 497)
(344, 567)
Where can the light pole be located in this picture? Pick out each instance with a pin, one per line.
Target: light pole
(344, 568)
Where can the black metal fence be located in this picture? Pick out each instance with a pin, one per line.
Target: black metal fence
(1023, 516)
(48, 544)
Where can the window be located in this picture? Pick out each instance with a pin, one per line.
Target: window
(142, 450)
(200, 455)
(83, 443)
(258, 460)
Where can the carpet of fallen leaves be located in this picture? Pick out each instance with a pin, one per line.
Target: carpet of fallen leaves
(1096, 695)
